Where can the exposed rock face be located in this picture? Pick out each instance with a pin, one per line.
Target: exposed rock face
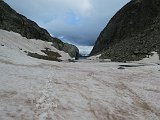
(132, 33)
(10, 20)
(69, 48)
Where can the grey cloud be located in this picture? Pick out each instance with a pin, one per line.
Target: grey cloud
(78, 21)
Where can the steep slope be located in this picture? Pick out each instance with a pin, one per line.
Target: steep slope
(10, 20)
(132, 33)
(18, 47)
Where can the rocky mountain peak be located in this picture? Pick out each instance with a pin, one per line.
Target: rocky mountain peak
(10, 20)
(133, 28)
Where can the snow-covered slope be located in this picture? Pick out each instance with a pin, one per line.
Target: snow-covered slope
(15, 45)
(35, 89)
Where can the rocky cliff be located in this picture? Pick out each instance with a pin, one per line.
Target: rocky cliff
(132, 33)
(10, 20)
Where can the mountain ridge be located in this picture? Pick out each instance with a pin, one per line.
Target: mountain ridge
(132, 33)
(10, 20)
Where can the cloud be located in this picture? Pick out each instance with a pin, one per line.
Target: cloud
(75, 21)
(84, 50)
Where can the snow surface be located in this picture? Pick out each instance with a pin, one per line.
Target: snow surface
(154, 58)
(34, 89)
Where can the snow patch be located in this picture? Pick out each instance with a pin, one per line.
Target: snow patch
(15, 43)
(154, 58)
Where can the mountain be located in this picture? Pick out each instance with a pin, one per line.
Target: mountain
(132, 33)
(10, 20)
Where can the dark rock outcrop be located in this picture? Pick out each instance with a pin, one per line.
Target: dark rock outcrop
(10, 20)
(132, 33)
(50, 55)
(69, 48)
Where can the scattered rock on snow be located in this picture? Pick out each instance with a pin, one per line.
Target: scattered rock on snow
(121, 68)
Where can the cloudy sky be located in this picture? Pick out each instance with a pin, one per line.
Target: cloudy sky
(74, 21)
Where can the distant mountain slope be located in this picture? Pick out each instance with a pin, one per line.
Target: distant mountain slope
(132, 33)
(10, 20)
